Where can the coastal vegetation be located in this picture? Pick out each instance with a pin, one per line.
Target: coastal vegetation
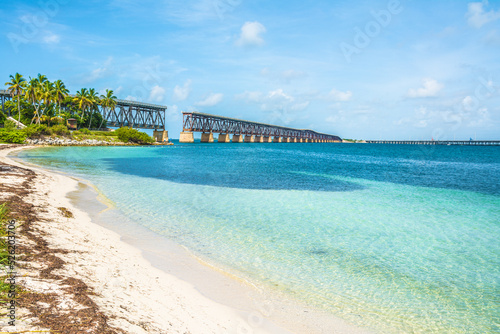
(45, 106)
(40, 101)
(127, 135)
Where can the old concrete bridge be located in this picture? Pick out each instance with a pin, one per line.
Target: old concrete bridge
(245, 131)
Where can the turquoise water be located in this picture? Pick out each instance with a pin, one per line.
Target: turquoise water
(392, 237)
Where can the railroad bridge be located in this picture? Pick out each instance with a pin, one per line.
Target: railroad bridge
(245, 131)
(127, 113)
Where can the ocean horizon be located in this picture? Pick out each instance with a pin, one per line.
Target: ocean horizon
(393, 238)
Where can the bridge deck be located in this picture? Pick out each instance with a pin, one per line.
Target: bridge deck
(201, 122)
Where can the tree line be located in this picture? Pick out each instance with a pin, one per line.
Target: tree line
(43, 101)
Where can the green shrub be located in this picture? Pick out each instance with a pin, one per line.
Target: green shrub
(84, 131)
(105, 133)
(59, 129)
(36, 130)
(126, 135)
(12, 136)
(10, 125)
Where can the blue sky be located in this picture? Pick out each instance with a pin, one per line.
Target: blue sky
(357, 69)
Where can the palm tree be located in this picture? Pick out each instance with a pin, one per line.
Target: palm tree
(32, 93)
(41, 79)
(93, 103)
(60, 92)
(16, 87)
(107, 101)
(48, 95)
(81, 100)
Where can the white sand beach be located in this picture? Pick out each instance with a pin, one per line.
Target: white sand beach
(130, 294)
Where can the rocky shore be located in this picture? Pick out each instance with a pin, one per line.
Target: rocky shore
(72, 142)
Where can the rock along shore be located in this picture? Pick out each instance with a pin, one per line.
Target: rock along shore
(72, 142)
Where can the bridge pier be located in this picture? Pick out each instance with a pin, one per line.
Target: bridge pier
(160, 136)
(237, 139)
(249, 139)
(266, 139)
(207, 137)
(277, 139)
(186, 137)
(223, 138)
(259, 139)
(285, 140)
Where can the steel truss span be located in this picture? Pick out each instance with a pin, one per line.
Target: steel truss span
(136, 115)
(200, 122)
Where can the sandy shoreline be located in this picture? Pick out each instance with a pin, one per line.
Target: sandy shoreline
(133, 295)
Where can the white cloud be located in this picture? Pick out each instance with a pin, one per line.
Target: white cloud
(279, 95)
(300, 106)
(282, 107)
(431, 88)
(251, 34)
(277, 100)
(338, 96)
(470, 103)
(477, 16)
(272, 100)
(51, 38)
(157, 94)
(286, 76)
(211, 100)
(182, 93)
(99, 72)
(482, 118)
(96, 74)
(420, 123)
(173, 113)
(250, 96)
(493, 38)
(332, 119)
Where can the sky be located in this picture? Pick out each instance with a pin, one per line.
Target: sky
(404, 69)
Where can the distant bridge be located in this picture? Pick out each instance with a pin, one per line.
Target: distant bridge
(4, 97)
(245, 131)
(438, 142)
(126, 113)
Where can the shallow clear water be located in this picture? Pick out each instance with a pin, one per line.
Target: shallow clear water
(393, 237)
